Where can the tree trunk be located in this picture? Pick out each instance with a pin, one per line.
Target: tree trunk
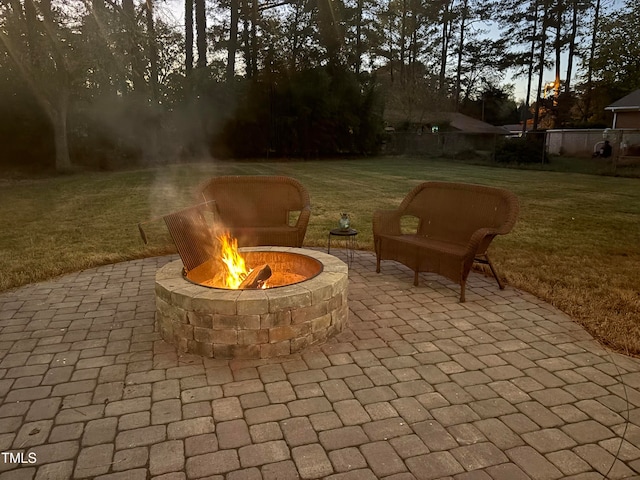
(152, 48)
(201, 33)
(109, 74)
(592, 53)
(331, 35)
(233, 42)
(558, 49)
(534, 31)
(572, 47)
(188, 36)
(131, 45)
(254, 37)
(391, 45)
(445, 45)
(245, 37)
(414, 40)
(463, 20)
(293, 62)
(403, 40)
(543, 42)
(359, 36)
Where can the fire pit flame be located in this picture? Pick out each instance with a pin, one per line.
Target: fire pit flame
(238, 275)
(230, 268)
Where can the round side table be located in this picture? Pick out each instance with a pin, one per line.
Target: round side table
(349, 236)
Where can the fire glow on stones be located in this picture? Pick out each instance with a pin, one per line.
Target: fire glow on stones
(304, 302)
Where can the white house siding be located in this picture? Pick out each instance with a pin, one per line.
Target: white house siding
(581, 143)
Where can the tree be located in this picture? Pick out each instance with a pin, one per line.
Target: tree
(104, 65)
(494, 104)
(403, 36)
(612, 65)
(616, 62)
(41, 51)
(359, 20)
(481, 67)
(171, 52)
(519, 22)
(132, 44)
(330, 30)
(480, 60)
(416, 97)
(544, 30)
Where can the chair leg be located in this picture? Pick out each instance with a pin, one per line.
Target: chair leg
(495, 274)
(377, 264)
(462, 288)
(416, 279)
(487, 261)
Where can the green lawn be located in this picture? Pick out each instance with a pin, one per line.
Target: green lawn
(576, 244)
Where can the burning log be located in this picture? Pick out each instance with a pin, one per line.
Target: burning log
(256, 277)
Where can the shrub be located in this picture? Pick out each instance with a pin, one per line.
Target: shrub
(25, 133)
(521, 150)
(309, 113)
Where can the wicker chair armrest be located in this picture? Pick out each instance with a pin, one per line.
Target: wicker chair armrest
(211, 207)
(481, 239)
(387, 222)
(303, 218)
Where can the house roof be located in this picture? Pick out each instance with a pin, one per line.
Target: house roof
(630, 102)
(458, 121)
(472, 125)
(513, 127)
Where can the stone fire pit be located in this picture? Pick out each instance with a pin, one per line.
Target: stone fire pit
(224, 323)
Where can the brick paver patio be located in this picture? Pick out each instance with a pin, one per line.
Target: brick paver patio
(420, 386)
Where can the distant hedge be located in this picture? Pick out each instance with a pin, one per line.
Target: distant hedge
(529, 149)
(312, 113)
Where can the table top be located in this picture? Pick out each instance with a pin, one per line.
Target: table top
(343, 233)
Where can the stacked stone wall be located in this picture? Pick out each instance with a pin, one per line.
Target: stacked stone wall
(252, 323)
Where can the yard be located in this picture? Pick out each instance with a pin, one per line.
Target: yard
(576, 244)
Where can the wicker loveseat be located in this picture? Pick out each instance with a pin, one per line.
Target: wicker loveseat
(260, 210)
(456, 224)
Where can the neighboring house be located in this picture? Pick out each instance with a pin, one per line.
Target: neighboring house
(445, 121)
(440, 133)
(464, 123)
(515, 129)
(626, 111)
